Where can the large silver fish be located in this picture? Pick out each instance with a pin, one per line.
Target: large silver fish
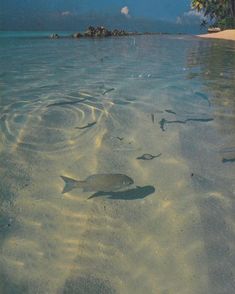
(98, 183)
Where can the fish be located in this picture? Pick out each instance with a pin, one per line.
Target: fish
(170, 111)
(224, 160)
(163, 121)
(152, 117)
(108, 90)
(119, 138)
(86, 126)
(199, 119)
(130, 194)
(98, 183)
(148, 156)
(176, 121)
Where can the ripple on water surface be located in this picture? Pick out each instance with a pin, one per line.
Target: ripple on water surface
(51, 125)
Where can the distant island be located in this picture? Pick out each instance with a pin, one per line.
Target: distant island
(100, 31)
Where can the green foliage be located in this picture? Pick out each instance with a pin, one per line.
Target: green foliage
(221, 12)
(226, 23)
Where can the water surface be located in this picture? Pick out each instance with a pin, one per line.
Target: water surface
(82, 107)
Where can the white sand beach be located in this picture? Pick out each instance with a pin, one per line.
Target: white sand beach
(226, 35)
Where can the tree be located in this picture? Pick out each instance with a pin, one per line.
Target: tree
(221, 12)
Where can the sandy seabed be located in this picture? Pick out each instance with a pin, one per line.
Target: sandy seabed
(226, 35)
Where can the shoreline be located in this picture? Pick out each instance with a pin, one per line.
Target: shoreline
(223, 35)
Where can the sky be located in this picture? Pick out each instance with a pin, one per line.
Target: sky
(64, 14)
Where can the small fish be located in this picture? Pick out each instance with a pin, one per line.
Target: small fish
(119, 138)
(224, 160)
(176, 121)
(148, 156)
(199, 119)
(107, 91)
(152, 117)
(170, 111)
(162, 123)
(98, 183)
(86, 126)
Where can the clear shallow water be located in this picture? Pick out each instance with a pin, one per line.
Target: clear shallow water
(173, 230)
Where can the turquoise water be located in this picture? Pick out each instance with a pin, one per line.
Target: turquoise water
(81, 107)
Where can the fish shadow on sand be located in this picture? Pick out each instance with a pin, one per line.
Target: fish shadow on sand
(130, 194)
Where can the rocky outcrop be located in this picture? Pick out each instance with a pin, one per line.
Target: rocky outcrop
(99, 32)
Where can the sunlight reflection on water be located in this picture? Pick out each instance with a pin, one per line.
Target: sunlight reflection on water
(95, 106)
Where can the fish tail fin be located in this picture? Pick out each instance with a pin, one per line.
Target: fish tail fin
(69, 184)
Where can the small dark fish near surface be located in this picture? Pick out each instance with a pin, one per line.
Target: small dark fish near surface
(107, 91)
(148, 156)
(98, 183)
(86, 126)
(199, 119)
(152, 117)
(163, 121)
(224, 160)
(170, 111)
(119, 138)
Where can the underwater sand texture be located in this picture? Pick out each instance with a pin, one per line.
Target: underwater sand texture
(178, 237)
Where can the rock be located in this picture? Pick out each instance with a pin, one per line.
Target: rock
(54, 36)
(119, 33)
(90, 32)
(77, 35)
(214, 30)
